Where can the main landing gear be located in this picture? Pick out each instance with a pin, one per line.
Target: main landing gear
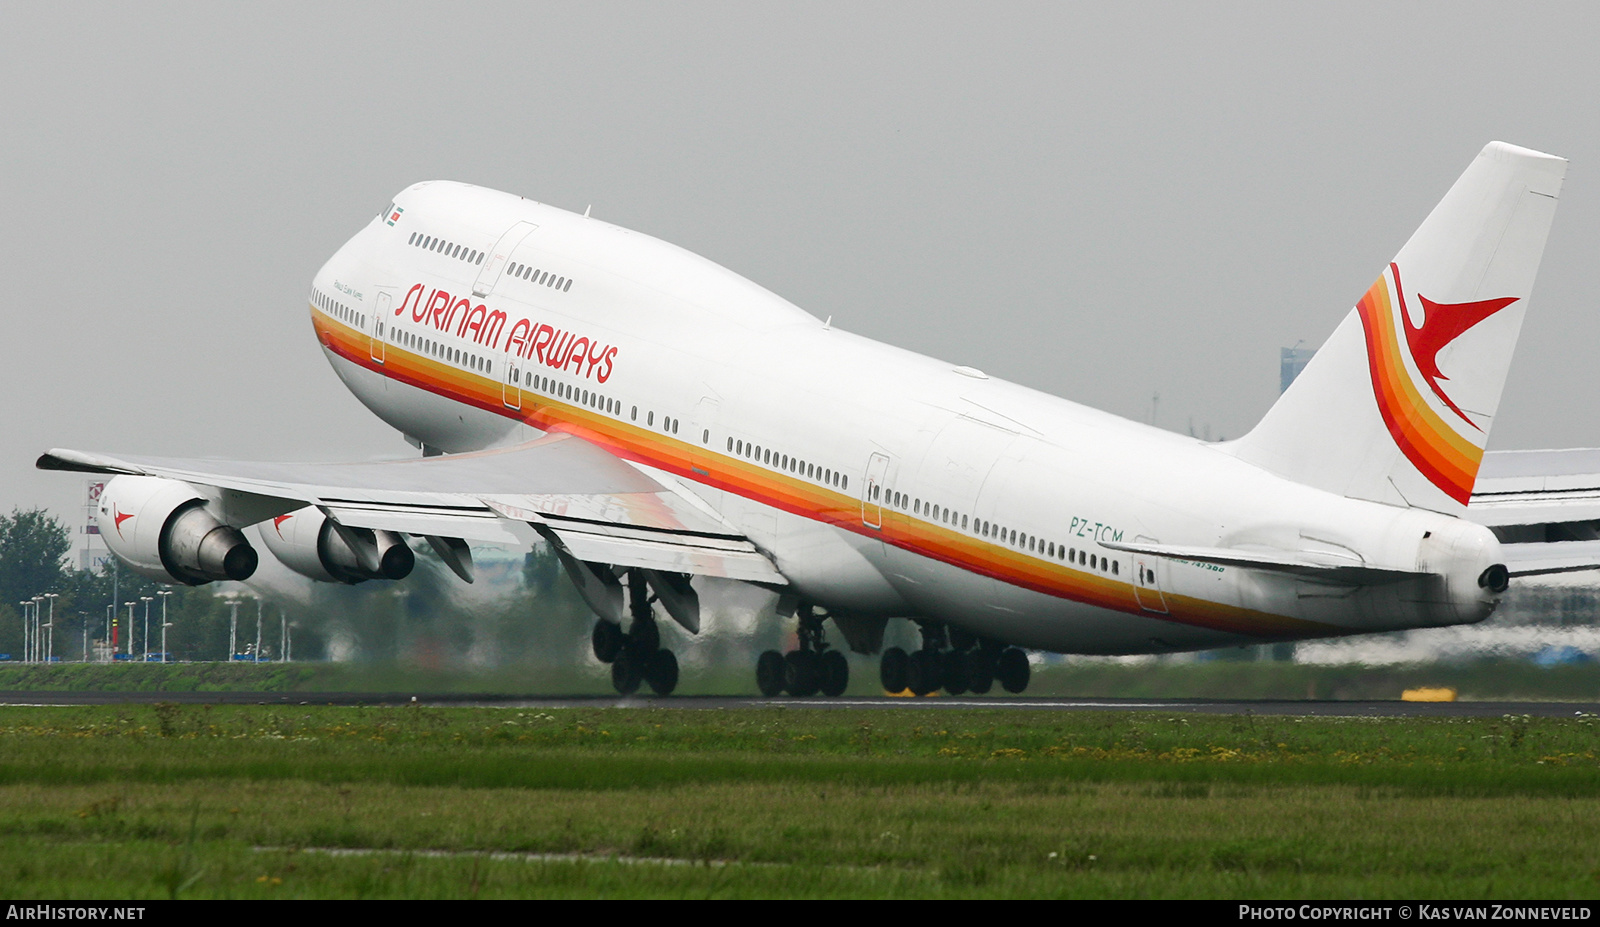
(957, 662)
(636, 656)
(813, 668)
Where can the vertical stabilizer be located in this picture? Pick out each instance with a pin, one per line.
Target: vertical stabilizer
(1396, 406)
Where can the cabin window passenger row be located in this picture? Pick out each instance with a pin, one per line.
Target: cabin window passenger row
(543, 277)
(811, 471)
(448, 248)
(338, 310)
(982, 528)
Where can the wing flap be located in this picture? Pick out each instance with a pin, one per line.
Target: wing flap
(486, 527)
(669, 553)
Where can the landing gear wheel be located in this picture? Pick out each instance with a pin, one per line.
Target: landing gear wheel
(769, 673)
(625, 672)
(922, 677)
(980, 672)
(800, 673)
(608, 640)
(954, 672)
(835, 673)
(892, 670)
(644, 635)
(661, 672)
(1013, 670)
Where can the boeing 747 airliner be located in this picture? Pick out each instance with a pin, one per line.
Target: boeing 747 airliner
(580, 385)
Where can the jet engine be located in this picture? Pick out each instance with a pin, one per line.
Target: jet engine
(162, 529)
(312, 545)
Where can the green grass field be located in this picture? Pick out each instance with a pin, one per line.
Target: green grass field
(1481, 680)
(254, 802)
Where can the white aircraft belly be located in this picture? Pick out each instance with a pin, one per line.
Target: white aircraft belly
(435, 420)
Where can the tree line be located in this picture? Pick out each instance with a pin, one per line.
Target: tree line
(535, 617)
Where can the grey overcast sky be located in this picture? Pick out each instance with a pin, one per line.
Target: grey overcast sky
(1103, 201)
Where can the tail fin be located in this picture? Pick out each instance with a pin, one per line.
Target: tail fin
(1396, 406)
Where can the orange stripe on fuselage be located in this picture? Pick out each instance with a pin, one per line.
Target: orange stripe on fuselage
(796, 495)
(1437, 450)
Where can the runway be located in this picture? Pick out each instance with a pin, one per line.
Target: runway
(1306, 708)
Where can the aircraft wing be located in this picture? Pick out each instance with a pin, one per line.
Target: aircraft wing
(589, 503)
(1544, 506)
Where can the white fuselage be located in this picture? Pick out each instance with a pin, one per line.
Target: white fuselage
(880, 482)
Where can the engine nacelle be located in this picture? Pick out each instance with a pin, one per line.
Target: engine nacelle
(307, 542)
(161, 529)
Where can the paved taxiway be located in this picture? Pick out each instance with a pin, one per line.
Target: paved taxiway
(1351, 709)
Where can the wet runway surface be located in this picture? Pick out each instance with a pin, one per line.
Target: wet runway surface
(1354, 709)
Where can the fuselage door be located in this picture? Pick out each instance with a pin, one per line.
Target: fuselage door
(511, 380)
(872, 491)
(495, 263)
(1147, 580)
(379, 323)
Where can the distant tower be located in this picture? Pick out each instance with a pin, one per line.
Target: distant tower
(1291, 362)
(90, 559)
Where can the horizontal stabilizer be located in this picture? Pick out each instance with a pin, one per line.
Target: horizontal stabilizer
(1316, 565)
(1548, 559)
(1552, 487)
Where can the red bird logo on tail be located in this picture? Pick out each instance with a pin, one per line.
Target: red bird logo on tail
(1442, 323)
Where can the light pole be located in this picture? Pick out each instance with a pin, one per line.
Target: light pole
(258, 629)
(50, 650)
(233, 629)
(146, 636)
(116, 593)
(130, 629)
(25, 650)
(164, 623)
